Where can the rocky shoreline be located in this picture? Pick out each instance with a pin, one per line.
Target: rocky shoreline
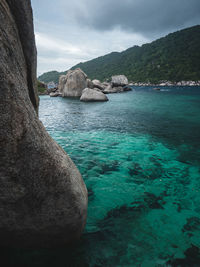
(107, 87)
(167, 83)
(77, 84)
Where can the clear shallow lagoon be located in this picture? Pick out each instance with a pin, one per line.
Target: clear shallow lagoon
(139, 155)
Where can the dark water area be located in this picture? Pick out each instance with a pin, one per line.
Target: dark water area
(139, 155)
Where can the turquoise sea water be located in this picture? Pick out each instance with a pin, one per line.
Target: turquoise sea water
(139, 155)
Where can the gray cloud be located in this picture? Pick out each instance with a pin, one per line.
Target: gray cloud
(68, 32)
(148, 17)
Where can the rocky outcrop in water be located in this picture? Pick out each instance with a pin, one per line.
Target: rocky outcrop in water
(98, 84)
(167, 83)
(76, 81)
(62, 82)
(119, 80)
(55, 94)
(89, 95)
(110, 90)
(43, 200)
(90, 84)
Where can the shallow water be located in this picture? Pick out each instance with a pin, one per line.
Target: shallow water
(139, 155)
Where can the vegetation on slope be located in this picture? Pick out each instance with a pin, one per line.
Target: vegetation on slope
(41, 87)
(175, 57)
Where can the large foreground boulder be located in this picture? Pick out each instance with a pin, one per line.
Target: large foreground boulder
(91, 95)
(76, 81)
(43, 200)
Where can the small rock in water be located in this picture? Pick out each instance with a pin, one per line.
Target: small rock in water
(91, 95)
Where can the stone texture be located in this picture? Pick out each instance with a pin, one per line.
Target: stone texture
(119, 89)
(76, 81)
(90, 84)
(62, 82)
(110, 90)
(98, 84)
(105, 84)
(55, 94)
(97, 89)
(90, 95)
(119, 80)
(43, 200)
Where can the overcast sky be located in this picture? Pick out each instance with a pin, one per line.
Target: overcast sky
(68, 32)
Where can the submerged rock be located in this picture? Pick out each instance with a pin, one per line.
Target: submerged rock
(43, 200)
(89, 95)
(192, 258)
(76, 81)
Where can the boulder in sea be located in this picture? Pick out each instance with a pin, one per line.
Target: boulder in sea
(61, 83)
(119, 80)
(127, 88)
(105, 84)
(97, 89)
(91, 95)
(108, 89)
(90, 84)
(55, 94)
(76, 81)
(111, 90)
(98, 84)
(43, 199)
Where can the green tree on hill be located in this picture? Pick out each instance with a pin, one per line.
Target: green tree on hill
(175, 57)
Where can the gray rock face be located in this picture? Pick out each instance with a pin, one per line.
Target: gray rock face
(119, 80)
(62, 82)
(108, 89)
(55, 94)
(97, 89)
(89, 95)
(76, 81)
(111, 90)
(43, 200)
(119, 89)
(90, 84)
(98, 84)
(105, 84)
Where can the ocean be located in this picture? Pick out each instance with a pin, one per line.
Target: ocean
(139, 155)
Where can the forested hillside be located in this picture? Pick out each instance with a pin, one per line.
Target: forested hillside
(175, 57)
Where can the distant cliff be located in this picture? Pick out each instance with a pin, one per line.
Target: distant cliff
(175, 57)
